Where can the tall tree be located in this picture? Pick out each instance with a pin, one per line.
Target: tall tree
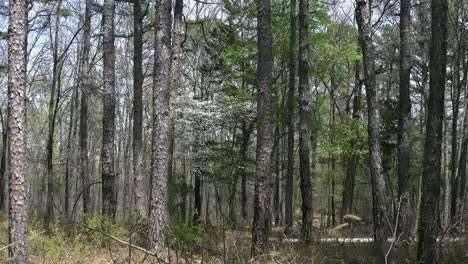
(177, 53)
(49, 215)
(159, 211)
(304, 120)
(108, 115)
(261, 219)
(289, 193)
(429, 211)
(373, 126)
(351, 162)
(85, 90)
(18, 242)
(139, 184)
(405, 115)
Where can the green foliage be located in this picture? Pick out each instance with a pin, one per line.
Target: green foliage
(102, 223)
(184, 237)
(64, 12)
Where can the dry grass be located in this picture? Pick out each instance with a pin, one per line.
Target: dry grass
(216, 246)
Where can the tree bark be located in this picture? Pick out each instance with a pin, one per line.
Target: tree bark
(141, 206)
(18, 241)
(404, 147)
(429, 211)
(177, 53)
(304, 121)
(159, 211)
(85, 90)
(108, 115)
(289, 193)
(261, 219)
(377, 180)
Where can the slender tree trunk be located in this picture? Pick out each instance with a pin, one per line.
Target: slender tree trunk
(351, 163)
(18, 249)
(429, 212)
(108, 115)
(85, 90)
(289, 194)
(246, 132)
(454, 180)
(363, 15)
(404, 147)
(68, 171)
(304, 121)
(161, 138)
(197, 188)
(139, 182)
(49, 215)
(3, 161)
(261, 219)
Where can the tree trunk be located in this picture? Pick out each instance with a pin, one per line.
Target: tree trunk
(18, 241)
(161, 138)
(108, 115)
(49, 215)
(304, 121)
(375, 158)
(197, 188)
(351, 163)
(429, 212)
(69, 146)
(177, 53)
(85, 90)
(404, 147)
(276, 197)
(261, 219)
(140, 189)
(3, 161)
(456, 93)
(246, 132)
(289, 193)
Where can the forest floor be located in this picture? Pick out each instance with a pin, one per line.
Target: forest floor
(212, 245)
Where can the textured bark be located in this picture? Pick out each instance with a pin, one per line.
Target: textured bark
(304, 121)
(85, 90)
(276, 195)
(261, 219)
(108, 116)
(177, 53)
(429, 211)
(140, 189)
(375, 158)
(404, 147)
(289, 193)
(351, 163)
(18, 241)
(159, 211)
